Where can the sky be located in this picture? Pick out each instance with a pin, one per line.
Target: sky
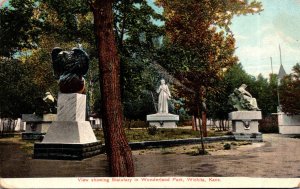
(3, 3)
(258, 37)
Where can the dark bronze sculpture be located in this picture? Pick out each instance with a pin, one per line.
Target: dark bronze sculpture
(69, 68)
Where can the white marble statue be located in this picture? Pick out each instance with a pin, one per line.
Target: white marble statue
(48, 98)
(164, 96)
(247, 96)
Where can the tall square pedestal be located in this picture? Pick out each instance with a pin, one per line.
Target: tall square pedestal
(161, 120)
(70, 137)
(245, 125)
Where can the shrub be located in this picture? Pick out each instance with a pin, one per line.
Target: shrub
(227, 146)
(152, 130)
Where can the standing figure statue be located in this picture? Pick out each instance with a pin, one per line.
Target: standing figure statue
(164, 96)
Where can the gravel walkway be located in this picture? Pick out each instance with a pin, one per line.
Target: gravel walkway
(278, 156)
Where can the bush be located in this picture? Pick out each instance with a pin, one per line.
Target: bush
(227, 146)
(152, 130)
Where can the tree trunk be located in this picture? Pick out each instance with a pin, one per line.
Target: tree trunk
(227, 124)
(117, 148)
(214, 124)
(220, 125)
(204, 121)
(193, 123)
(1, 126)
(201, 132)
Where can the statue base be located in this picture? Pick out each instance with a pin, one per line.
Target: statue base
(70, 137)
(245, 125)
(36, 127)
(163, 120)
(62, 151)
(255, 137)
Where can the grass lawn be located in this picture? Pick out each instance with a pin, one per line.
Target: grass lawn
(137, 135)
(26, 145)
(133, 135)
(193, 149)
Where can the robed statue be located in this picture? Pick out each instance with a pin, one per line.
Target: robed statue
(164, 96)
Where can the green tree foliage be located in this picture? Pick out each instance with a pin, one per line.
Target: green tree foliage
(290, 92)
(136, 36)
(264, 90)
(200, 44)
(18, 94)
(265, 93)
(28, 37)
(138, 39)
(61, 23)
(218, 107)
(18, 27)
(68, 20)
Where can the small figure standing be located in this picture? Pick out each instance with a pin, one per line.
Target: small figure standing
(164, 96)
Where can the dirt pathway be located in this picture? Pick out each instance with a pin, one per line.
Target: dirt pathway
(278, 156)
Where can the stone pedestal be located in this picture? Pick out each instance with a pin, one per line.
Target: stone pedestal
(36, 127)
(288, 124)
(163, 120)
(70, 137)
(245, 125)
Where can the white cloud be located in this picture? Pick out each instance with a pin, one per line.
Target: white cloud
(240, 37)
(258, 37)
(256, 59)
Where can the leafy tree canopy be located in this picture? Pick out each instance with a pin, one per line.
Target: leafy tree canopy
(290, 92)
(199, 46)
(18, 27)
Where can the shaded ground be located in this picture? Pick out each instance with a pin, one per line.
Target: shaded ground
(278, 156)
(15, 163)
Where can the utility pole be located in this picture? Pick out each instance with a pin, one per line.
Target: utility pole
(271, 65)
(278, 82)
(280, 55)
